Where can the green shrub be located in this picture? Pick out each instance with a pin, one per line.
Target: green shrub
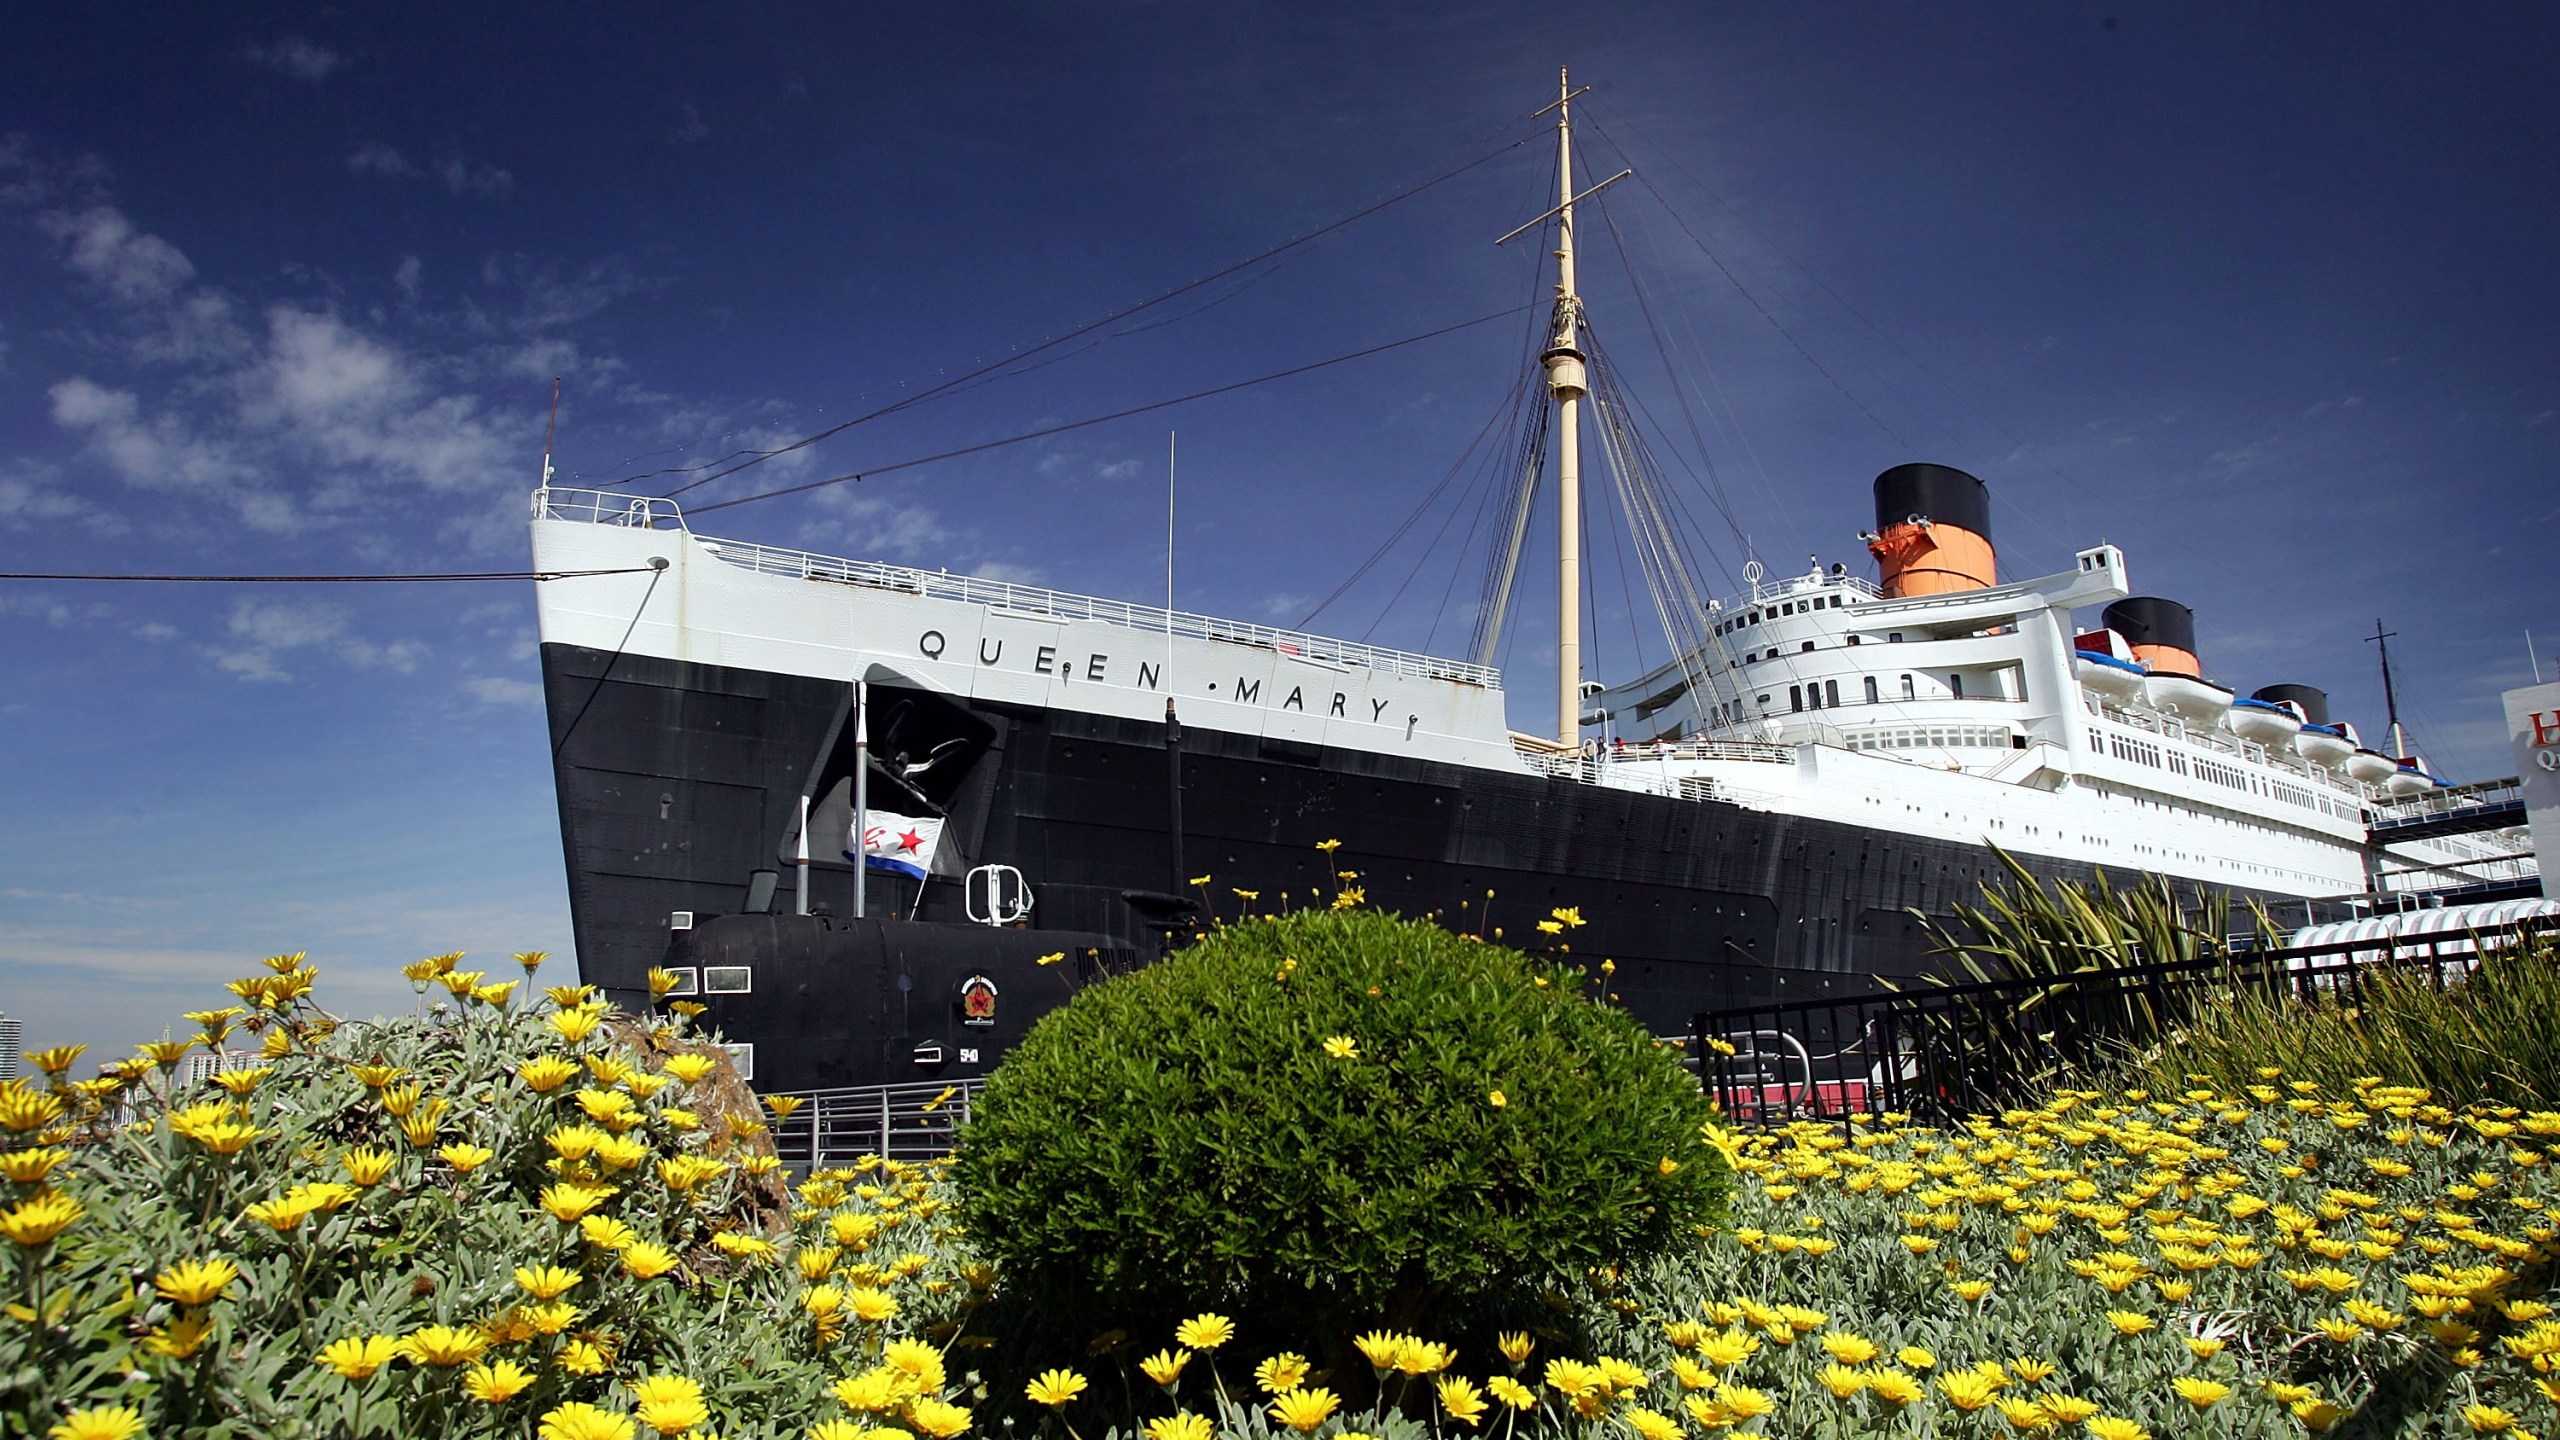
(2491, 1037)
(1340, 1117)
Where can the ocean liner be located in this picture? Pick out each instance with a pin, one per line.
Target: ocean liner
(863, 810)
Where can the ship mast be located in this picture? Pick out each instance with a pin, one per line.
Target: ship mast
(1567, 381)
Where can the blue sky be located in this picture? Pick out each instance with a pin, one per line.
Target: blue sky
(2261, 294)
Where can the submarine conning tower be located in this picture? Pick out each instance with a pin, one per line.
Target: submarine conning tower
(1933, 531)
(2314, 701)
(2161, 632)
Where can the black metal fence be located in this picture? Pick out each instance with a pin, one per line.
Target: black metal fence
(1943, 1052)
(912, 1121)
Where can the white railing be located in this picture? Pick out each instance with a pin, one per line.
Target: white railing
(605, 509)
(2248, 751)
(598, 507)
(1587, 767)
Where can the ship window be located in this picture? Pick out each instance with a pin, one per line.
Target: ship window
(1764, 702)
(688, 980)
(1871, 689)
(1795, 697)
(1853, 639)
(743, 1056)
(1895, 638)
(1955, 686)
(1830, 692)
(1907, 691)
(728, 979)
(1808, 647)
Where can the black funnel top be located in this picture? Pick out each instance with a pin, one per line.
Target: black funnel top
(1941, 492)
(2149, 620)
(2314, 703)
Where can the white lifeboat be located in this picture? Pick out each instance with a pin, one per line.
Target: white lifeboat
(2323, 745)
(2268, 724)
(2192, 698)
(2108, 676)
(2410, 777)
(2372, 767)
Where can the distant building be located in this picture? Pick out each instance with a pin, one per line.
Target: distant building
(10, 1034)
(203, 1065)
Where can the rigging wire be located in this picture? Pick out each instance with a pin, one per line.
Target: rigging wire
(408, 579)
(1113, 318)
(1475, 477)
(1048, 430)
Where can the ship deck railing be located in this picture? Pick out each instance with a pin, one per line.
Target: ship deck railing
(2169, 727)
(1944, 1053)
(605, 508)
(912, 1121)
(1590, 766)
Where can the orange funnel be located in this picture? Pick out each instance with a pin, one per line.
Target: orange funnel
(1933, 531)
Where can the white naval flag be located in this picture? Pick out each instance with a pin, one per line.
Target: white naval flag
(897, 843)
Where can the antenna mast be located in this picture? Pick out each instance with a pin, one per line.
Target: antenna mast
(549, 428)
(1566, 379)
(2390, 697)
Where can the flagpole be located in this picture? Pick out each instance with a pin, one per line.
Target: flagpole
(861, 793)
(803, 908)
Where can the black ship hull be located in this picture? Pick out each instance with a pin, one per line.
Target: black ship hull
(678, 782)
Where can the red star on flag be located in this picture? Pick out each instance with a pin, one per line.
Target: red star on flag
(910, 840)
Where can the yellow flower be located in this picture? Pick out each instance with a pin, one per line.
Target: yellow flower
(24, 1108)
(1182, 1426)
(1742, 1402)
(2069, 1409)
(357, 1357)
(669, 1404)
(578, 1357)
(1463, 1401)
(580, 1421)
(1916, 1358)
(1728, 1349)
(1849, 1349)
(648, 1261)
(838, 1430)
(1842, 1381)
(2197, 1391)
(1205, 1331)
(2204, 1347)
(571, 1203)
(784, 1106)
(181, 1337)
(1495, 1100)
(1515, 1345)
(606, 1233)
(1970, 1290)
(2487, 1419)
(549, 1282)
(2128, 1322)
(1650, 1424)
(30, 1167)
(573, 1026)
(2113, 1427)
(100, 1422)
(938, 1418)
(872, 1391)
(1054, 1388)
(58, 1059)
(443, 1345)
(466, 1158)
(1894, 1387)
(691, 1068)
(241, 1082)
(1284, 1371)
(1303, 1410)
(2026, 1416)
(497, 1382)
(546, 1073)
(195, 1282)
(918, 1361)
(1968, 1389)
(367, 1166)
(1342, 1047)
(1165, 1366)
(873, 1304)
(36, 1221)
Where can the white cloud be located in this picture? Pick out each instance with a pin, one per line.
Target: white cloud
(460, 175)
(103, 245)
(409, 276)
(303, 59)
(497, 690)
(463, 178)
(155, 455)
(379, 159)
(263, 630)
(690, 129)
(863, 526)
